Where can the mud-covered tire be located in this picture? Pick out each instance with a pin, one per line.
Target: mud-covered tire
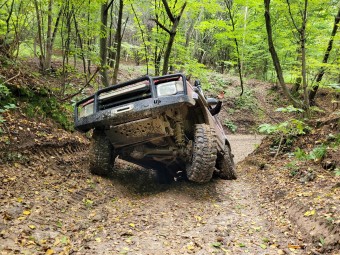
(225, 164)
(102, 154)
(202, 165)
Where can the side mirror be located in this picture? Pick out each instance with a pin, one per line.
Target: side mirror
(217, 106)
(212, 101)
(197, 83)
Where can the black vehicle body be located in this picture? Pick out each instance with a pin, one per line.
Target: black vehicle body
(162, 122)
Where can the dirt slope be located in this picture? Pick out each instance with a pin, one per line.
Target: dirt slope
(52, 205)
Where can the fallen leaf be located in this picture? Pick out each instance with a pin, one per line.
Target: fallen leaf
(31, 226)
(198, 218)
(263, 246)
(309, 213)
(216, 244)
(26, 212)
(49, 252)
(190, 247)
(132, 225)
(294, 246)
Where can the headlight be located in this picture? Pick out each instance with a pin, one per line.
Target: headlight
(85, 109)
(169, 88)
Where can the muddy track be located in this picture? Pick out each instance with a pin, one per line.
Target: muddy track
(52, 205)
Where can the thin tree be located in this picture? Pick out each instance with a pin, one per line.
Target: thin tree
(275, 58)
(325, 59)
(118, 42)
(144, 42)
(172, 32)
(103, 42)
(229, 4)
(302, 41)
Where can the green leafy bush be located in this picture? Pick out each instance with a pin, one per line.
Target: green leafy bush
(6, 102)
(230, 125)
(247, 101)
(290, 127)
(318, 153)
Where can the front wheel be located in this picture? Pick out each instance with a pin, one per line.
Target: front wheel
(202, 165)
(225, 164)
(102, 154)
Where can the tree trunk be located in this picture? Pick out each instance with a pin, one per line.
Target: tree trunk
(303, 58)
(172, 32)
(167, 53)
(48, 53)
(144, 43)
(118, 42)
(275, 57)
(42, 51)
(239, 65)
(325, 59)
(103, 45)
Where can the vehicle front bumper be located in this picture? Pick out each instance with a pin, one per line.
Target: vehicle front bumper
(150, 107)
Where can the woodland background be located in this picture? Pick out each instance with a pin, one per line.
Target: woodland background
(229, 36)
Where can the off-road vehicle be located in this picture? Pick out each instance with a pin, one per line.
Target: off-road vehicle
(162, 123)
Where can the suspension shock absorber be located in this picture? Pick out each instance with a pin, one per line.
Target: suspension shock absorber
(179, 131)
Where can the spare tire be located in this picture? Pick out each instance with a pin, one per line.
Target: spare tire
(202, 165)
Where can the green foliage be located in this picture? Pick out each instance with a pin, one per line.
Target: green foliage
(230, 125)
(5, 102)
(290, 127)
(317, 154)
(337, 171)
(247, 101)
(289, 108)
(41, 103)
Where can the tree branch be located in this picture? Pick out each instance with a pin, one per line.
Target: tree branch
(168, 11)
(162, 26)
(81, 90)
(109, 5)
(182, 10)
(291, 16)
(12, 77)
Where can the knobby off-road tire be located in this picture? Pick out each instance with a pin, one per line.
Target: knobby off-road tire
(102, 154)
(225, 164)
(202, 165)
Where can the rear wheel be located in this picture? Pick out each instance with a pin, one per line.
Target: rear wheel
(225, 164)
(102, 154)
(202, 165)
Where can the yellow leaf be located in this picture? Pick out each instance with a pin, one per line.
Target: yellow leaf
(49, 252)
(22, 218)
(132, 225)
(309, 213)
(31, 226)
(190, 247)
(26, 212)
(98, 239)
(198, 218)
(294, 246)
(19, 199)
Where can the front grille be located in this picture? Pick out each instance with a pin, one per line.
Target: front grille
(124, 95)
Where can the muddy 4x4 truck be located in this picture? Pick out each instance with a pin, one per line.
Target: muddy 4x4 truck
(163, 123)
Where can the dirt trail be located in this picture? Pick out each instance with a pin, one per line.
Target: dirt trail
(243, 145)
(54, 206)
